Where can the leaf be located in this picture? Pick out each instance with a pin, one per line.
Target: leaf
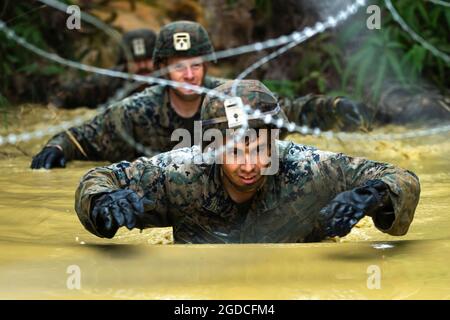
(409, 16)
(434, 17)
(413, 60)
(349, 32)
(284, 88)
(377, 41)
(362, 72)
(379, 78)
(52, 70)
(395, 63)
(395, 45)
(321, 84)
(353, 61)
(423, 11)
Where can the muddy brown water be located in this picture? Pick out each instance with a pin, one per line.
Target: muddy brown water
(41, 240)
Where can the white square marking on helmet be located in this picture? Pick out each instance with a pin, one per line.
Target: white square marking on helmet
(138, 47)
(182, 41)
(234, 110)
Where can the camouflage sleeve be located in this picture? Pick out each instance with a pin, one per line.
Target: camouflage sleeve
(347, 173)
(146, 179)
(102, 138)
(89, 92)
(326, 113)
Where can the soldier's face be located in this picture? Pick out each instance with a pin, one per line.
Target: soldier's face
(186, 70)
(142, 67)
(242, 166)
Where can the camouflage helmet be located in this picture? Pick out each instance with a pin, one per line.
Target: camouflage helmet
(228, 113)
(140, 43)
(181, 38)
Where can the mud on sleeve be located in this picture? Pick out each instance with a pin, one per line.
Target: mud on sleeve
(315, 111)
(404, 186)
(94, 183)
(101, 138)
(141, 176)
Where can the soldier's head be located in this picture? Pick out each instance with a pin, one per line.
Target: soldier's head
(179, 47)
(251, 157)
(140, 44)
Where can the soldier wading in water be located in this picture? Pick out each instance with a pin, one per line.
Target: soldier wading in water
(97, 89)
(148, 118)
(313, 194)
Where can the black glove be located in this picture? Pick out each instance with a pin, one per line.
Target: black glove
(117, 209)
(348, 207)
(49, 157)
(352, 115)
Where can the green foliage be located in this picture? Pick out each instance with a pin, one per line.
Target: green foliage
(357, 62)
(11, 56)
(264, 7)
(26, 20)
(370, 63)
(3, 102)
(285, 88)
(318, 62)
(3, 110)
(391, 53)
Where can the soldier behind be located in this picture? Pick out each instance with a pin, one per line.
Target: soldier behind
(328, 113)
(149, 117)
(313, 194)
(97, 89)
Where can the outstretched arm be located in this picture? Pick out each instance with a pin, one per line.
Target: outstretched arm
(362, 187)
(318, 111)
(123, 194)
(88, 92)
(101, 138)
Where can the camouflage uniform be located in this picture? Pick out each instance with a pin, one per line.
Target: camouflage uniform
(326, 113)
(148, 119)
(92, 91)
(97, 89)
(191, 198)
(145, 117)
(311, 110)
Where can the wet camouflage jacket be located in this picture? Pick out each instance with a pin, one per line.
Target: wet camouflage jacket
(327, 113)
(145, 117)
(93, 91)
(191, 199)
(148, 119)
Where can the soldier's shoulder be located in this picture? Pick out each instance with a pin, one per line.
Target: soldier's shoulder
(290, 151)
(295, 156)
(213, 82)
(151, 96)
(184, 165)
